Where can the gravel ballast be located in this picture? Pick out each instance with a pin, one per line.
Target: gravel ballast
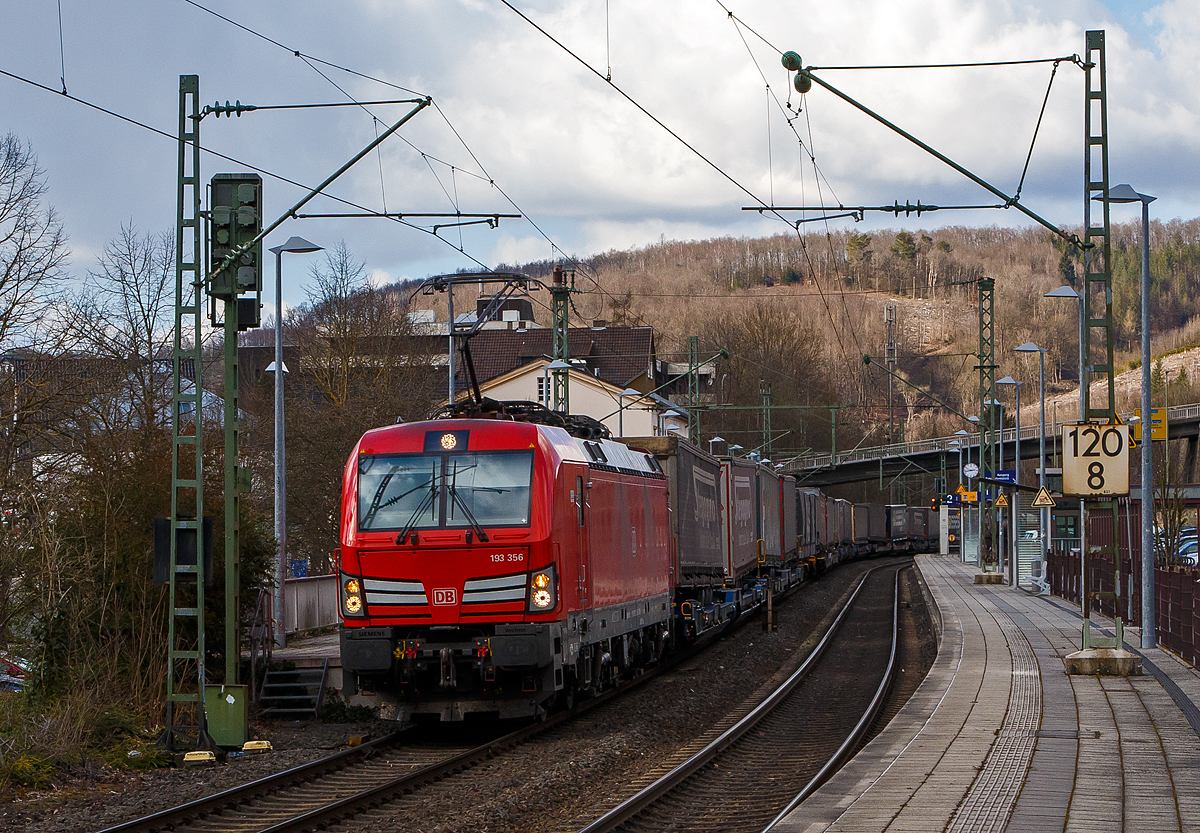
(558, 782)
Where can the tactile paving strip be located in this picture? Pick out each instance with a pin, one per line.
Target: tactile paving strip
(990, 800)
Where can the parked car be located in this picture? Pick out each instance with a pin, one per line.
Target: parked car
(1188, 552)
(12, 673)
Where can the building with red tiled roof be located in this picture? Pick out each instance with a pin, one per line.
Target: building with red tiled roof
(621, 356)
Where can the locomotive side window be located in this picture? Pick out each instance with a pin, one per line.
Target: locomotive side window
(444, 490)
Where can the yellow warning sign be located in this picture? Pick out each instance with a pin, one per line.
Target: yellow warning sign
(1158, 424)
(961, 490)
(1042, 499)
(1002, 501)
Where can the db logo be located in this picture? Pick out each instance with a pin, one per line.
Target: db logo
(446, 596)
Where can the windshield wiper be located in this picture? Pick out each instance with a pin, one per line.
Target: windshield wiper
(426, 502)
(454, 497)
(375, 506)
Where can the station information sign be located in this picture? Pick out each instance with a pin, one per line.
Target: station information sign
(1095, 460)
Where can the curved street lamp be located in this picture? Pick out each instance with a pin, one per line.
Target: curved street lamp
(296, 245)
(1125, 194)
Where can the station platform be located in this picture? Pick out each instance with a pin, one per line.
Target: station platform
(998, 737)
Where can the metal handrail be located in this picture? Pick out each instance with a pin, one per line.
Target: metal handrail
(905, 449)
(262, 639)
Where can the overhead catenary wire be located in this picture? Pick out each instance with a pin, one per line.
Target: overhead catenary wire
(719, 170)
(62, 51)
(818, 175)
(217, 154)
(656, 120)
(484, 175)
(312, 61)
(1037, 127)
(297, 52)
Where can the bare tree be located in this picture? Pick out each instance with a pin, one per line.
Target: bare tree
(32, 252)
(359, 365)
(32, 245)
(123, 320)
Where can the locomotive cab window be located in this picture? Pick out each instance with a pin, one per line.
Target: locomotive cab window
(423, 491)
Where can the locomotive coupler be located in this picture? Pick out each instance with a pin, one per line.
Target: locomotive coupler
(449, 674)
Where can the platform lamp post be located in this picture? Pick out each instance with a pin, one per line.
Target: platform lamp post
(1016, 567)
(621, 409)
(1068, 292)
(995, 406)
(556, 366)
(714, 440)
(1126, 194)
(962, 441)
(974, 420)
(297, 245)
(1044, 512)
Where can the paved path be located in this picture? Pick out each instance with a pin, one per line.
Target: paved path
(998, 737)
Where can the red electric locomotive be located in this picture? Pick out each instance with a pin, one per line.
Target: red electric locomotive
(488, 566)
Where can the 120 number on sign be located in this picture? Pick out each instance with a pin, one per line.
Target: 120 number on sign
(1095, 460)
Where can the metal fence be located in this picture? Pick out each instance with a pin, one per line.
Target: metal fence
(1176, 589)
(309, 603)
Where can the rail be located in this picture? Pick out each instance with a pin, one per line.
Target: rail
(314, 812)
(652, 794)
(907, 449)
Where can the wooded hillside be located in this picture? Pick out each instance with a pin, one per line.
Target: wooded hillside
(801, 311)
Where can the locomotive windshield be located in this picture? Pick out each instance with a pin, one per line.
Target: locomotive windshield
(426, 491)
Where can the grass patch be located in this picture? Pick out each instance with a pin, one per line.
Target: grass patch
(43, 740)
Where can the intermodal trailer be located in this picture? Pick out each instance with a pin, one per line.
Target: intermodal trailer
(841, 527)
(918, 527)
(739, 529)
(898, 527)
(811, 519)
(789, 542)
(770, 515)
(693, 479)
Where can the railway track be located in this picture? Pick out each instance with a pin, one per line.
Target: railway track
(337, 787)
(781, 751)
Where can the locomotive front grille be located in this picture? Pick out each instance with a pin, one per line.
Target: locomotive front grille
(497, 589)
(394, 593)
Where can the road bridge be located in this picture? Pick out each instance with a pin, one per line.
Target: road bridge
(925, 456)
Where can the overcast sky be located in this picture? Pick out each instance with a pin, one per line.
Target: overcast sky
(578, 160)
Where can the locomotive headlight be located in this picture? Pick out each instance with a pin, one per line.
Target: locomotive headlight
(352, 600)
(543, 590)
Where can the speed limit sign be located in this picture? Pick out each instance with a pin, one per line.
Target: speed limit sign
(1095, 460)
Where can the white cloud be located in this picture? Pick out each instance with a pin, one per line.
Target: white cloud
(379, 277)
(576, 158)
